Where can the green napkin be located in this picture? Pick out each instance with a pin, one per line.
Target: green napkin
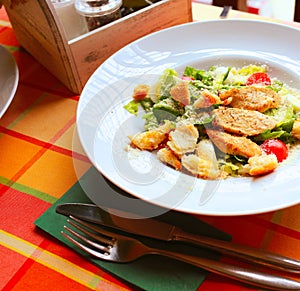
(150, 272)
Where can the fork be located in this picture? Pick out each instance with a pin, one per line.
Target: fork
(109, 246)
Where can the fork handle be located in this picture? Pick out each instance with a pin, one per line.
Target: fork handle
(263, 257)
(248, 276)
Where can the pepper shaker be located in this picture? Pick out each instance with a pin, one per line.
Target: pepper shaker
(98, 12)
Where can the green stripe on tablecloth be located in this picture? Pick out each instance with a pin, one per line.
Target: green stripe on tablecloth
(11, 48)
(30, 191)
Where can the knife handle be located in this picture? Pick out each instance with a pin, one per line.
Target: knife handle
(247, 276)
(247, 253)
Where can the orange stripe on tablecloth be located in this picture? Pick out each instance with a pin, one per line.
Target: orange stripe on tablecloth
(52, 261)
(26, 167)
(44, 144)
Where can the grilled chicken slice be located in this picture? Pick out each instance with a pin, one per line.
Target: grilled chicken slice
(183, 139)
(252, 98)
(205, 150)
(242, 122)
(199, 167)
(234, 145)
(180, 93)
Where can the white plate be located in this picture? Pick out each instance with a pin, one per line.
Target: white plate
(9, 78)
(104, 126)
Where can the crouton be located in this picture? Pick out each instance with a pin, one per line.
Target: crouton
(148, 140)
(296, 128)
(261, 165)
(167, 156)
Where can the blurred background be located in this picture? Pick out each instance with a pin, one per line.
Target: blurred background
(281, 9)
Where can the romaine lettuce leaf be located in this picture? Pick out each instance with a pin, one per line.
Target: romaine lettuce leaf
(201, 75)
(132, 107)
(166, 82)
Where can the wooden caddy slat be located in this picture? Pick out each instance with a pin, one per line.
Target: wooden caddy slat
(39, 31)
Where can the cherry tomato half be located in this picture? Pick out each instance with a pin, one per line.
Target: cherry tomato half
(187, 78)
(140, 92)
(259, 78)
(276, 147)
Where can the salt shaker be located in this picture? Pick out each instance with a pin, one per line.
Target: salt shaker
(99, 12)
(73, 23)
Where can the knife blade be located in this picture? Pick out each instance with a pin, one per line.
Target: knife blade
(156, 229)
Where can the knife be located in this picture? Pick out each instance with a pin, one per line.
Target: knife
(156, 229)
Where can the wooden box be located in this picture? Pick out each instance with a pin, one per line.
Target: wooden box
(38, 30)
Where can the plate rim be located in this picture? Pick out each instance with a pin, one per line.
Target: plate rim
(7, 55)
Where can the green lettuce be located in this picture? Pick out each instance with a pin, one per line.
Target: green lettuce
(285, 118)
(132, 107)
(201, 75)
(166, 82)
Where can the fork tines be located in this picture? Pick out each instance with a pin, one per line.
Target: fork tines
(106, 241)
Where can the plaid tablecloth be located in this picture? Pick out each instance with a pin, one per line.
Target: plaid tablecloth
(36, 169)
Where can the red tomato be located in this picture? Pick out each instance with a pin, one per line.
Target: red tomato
(276, 147)
(140, 92)
(187, 78)
(259, 78)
